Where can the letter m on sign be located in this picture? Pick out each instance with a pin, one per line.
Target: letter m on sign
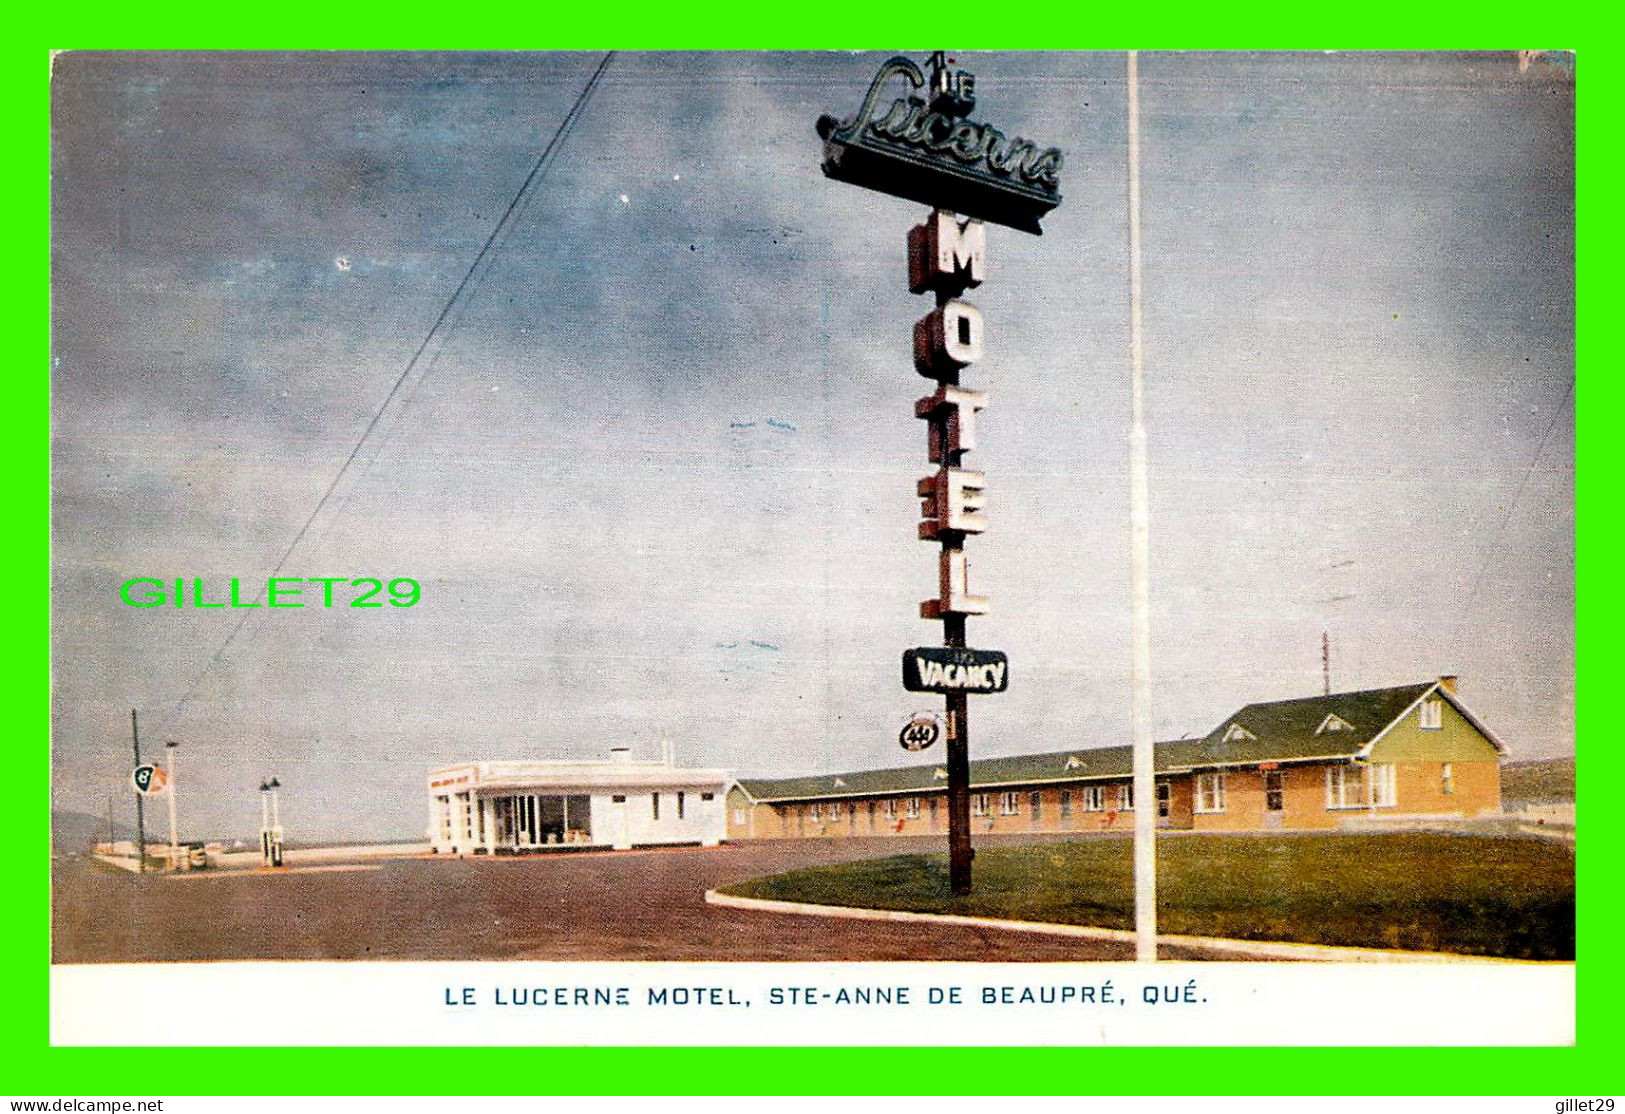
(946, 256)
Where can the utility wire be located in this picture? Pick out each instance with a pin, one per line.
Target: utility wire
(1493, 550)
(503, 225)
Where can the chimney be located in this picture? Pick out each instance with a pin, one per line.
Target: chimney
(621, 756)
(1447, 682)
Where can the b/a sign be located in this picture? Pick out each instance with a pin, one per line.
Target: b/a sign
(149, 780)
(949, 669)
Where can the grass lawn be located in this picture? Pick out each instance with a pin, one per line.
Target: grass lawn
(1419, 891)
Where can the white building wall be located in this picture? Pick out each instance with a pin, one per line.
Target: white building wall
(634, 823)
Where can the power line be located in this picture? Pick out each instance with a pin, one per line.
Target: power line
(504, 225)
(1493, 550)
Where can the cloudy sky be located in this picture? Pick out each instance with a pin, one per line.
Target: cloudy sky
(654, 468)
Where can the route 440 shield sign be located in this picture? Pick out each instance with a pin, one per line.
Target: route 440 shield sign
(920, 732)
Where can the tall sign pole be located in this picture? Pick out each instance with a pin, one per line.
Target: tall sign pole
(1145, 796)
(140, 806)
(926, 148)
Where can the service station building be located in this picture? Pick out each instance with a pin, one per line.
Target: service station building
(496, 808)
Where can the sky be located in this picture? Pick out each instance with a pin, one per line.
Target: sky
(654, 468)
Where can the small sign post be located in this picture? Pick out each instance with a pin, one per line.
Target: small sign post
(930, 151)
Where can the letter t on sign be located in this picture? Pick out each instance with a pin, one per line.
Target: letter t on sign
(959, 428)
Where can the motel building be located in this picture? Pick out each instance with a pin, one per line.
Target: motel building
(1323, 762)
(505, 808)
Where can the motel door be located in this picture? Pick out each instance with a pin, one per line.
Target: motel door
(1274, 799)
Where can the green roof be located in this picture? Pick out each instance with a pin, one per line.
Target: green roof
(1282, 731)
(1311, 727)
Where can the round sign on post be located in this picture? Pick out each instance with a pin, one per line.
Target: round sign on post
(920, 732)
(149, 780)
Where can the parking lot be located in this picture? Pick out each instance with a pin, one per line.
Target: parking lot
(637, 905)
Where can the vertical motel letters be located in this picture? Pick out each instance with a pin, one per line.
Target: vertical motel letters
(946, 258)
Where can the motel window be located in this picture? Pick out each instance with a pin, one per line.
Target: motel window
(1345, 787)
(1066, 803)
(1360, 786)
(1094, 798)
(1035, 802)
(1433, 714)
(1447, 779)
(1382, 785)
(978, 804)
(1125, 798)
(1209, 792)
(654, 799)
(679, 804)
(914, 808)
(1009, 803)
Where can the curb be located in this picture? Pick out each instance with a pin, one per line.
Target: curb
(1253, 949)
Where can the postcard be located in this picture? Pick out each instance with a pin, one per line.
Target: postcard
(813, 548)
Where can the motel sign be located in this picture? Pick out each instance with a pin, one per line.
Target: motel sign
(924, 147)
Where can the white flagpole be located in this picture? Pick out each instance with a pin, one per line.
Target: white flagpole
(1145, 793)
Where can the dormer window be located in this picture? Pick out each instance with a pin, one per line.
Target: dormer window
(1073, 762)
(1333, 723)
(939, 774)
(1432, 715)
(840, 783)
(1236, 733)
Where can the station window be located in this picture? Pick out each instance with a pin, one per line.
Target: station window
(1066, 803)
(817, 812)
(618, 799)
(1125, 797)
(1009, 804)
(1094, 798)
(1447, 779)
(654, 799)
(1035, 802)
(978, 804)
(914, 808)
(888, 808)
(679, 804)
(707, 796)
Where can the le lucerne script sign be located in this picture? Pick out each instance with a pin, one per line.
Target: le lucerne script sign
(933, 153)
(949, 669)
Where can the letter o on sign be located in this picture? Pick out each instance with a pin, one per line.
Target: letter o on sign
(920, 732)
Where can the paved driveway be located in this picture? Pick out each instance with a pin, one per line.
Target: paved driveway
(616, 905)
